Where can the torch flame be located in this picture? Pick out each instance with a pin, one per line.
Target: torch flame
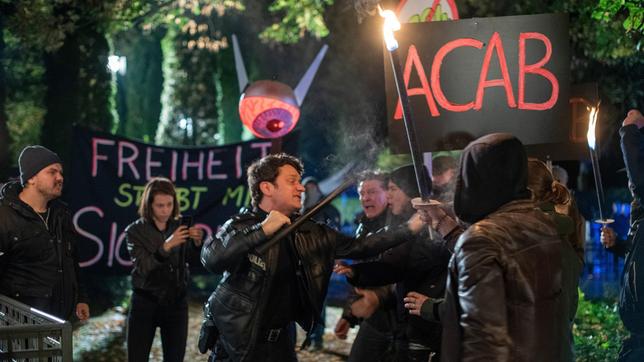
(592, 121)
(391, 24)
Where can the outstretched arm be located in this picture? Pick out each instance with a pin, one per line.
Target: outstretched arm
(372, 244)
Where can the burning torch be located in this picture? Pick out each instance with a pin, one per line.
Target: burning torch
(391, 24)
(594, 159)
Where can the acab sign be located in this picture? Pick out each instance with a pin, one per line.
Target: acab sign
(487, 75)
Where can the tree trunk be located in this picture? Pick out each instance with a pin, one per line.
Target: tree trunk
(62, 97)
(94, 80)
(4, 131)
(78, 89)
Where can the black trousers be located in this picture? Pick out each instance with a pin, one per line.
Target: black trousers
(372, 345)
(281, 349)
(146, 314)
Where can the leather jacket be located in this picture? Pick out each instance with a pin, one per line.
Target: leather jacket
(155, 273)
(503, 296)
(238, 304)
(504, 286)
(419, 265)
(384, 318)
(38, 262)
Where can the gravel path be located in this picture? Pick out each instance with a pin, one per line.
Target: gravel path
(102, 339)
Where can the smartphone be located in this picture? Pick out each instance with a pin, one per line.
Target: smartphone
(186, 221)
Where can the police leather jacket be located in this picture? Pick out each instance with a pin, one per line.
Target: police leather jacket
(239, 302)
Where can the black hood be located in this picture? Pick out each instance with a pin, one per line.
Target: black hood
(493, 171)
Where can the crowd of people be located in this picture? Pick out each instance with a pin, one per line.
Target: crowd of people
(488, 270)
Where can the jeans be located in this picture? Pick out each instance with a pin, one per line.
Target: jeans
(317, 335)
(146, 314)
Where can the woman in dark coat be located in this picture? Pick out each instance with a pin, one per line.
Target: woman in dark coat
(547, 195)
(158, 242)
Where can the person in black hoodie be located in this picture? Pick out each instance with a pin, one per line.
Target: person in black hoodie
(631, 296)
(158, 246)
(38, 259)
(502, 299)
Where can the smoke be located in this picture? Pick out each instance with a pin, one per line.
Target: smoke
(364, 137)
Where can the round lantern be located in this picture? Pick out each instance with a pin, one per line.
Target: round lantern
(269, 109)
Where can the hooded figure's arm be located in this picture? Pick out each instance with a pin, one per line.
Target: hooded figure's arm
(481, 295)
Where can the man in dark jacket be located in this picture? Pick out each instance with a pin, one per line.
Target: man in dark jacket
(631, 298)
(38, 260)
(374, 340)
(504, 279)
(418, 265)
(265, 289)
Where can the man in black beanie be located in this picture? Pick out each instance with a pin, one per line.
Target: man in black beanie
(38, 260)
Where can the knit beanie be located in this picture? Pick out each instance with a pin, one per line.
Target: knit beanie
(405, 178)
(33, 159)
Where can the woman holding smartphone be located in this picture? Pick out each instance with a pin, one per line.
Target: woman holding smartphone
(158, 243)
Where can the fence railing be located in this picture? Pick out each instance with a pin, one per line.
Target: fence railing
(28, 334)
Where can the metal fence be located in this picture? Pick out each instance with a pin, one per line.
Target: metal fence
(28, 334)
